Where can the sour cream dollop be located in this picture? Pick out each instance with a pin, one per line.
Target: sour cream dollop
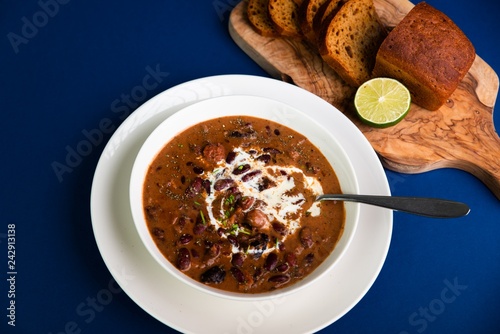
(282, 203)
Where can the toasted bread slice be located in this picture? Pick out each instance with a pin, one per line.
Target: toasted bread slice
(285, 15)
(325, 13)
(307, 11)
(258, 15)
(350, 40)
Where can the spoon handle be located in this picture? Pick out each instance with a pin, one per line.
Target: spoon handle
(429, 207)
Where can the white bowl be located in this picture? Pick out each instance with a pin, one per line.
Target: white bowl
(245, 106)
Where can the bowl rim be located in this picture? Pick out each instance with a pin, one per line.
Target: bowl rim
(141, 165)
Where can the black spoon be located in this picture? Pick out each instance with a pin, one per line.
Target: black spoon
(429, 207)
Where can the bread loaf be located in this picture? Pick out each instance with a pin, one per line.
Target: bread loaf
(285, 15)
(428, 53)
(350, 40)
(258, 15)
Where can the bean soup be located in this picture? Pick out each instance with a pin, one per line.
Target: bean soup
(231, 203)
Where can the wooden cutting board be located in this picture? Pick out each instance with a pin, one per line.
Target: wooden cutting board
(460, 134)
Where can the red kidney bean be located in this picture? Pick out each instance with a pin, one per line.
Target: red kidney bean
(159, 233)
(183, 259)
(194, 188)
(259, 241)
(280, 279)
(230, 157)
(235, 134)
(246, 202)
(268, 130)
(282, 247)
(283, 267)
(199, 228)
(238, 275)
(237, 260)
(221, 231)
(198, 170)
(279, 228)
(241, 169)
(308, 259)
(243, 240)
(258, 273)
(206, 186)
(271, 262)
(233, 240)
(247, 177)
(305, 236)
(265, 158)
(291, 259)
(271, 150)
(256, 218)
(152, 212)
(181, 222)
(195, 254)
(200, 217)
(213, 250)
(213, 275)
(185, 239)
(223, 184)
(233, 190)
(236, 194)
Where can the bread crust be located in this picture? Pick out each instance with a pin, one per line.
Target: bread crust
(307, 11)
(325, 13)
(285, 16)
(258, 15)
(349, 41)
(428, 53)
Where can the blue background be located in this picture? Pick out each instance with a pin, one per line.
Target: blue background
(67, 77)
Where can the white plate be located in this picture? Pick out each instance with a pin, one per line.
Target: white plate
(254, 106)
(188, 310)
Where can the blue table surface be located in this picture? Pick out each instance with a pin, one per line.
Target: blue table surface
(63, 64)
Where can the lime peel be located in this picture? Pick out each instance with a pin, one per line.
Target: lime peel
(382, 102)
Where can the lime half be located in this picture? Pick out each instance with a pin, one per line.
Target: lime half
(382, 102)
